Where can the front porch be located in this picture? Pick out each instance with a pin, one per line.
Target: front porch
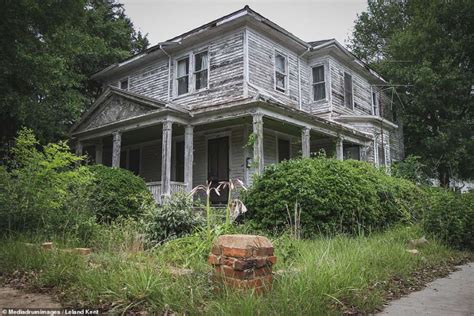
(176, 150)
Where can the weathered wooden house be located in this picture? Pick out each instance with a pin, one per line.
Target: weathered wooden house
(230, 97)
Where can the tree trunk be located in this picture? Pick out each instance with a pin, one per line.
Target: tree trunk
(443, 176)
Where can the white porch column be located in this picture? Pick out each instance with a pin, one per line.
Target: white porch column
(258, 144)
(99, 149)
(188, 156)
(339, 149)
(79, 148)
(116, 148)
(166, 160)
(305, 142)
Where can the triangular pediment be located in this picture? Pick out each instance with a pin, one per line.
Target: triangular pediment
(113, 107)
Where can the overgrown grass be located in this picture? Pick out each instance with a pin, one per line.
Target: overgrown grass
(317, 277)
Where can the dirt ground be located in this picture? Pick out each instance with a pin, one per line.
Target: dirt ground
(11, 298)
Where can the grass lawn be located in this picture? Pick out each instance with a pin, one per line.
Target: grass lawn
(312, 277)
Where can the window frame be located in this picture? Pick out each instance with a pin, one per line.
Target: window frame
(286, 74)
(177, 60)
(283, 138)
(352, 90)
(196, 72)
(127, 79)
(315, 83)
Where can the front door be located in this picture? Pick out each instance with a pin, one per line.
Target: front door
(218, 166)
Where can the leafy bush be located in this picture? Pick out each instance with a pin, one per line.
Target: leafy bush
(118, 192)
(334, 196)
(411, 168)
(45, 191)
(450, 217)
(172, 220)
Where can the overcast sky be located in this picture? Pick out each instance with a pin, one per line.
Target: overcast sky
(310, 20)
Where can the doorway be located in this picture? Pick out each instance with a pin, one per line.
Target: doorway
(218, 166)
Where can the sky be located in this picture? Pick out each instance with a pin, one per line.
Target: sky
(310, 20)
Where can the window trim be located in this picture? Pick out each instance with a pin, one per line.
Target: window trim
(205, 50)
(352, 89)
(321, 64)
(177, 60)
(286, 74)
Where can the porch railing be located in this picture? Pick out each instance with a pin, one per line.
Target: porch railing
(155, 189)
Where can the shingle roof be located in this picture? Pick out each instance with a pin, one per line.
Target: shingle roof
(317, 43)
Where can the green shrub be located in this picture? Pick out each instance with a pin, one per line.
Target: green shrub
(334, 196)
(174, 219)
(411, 168)
(45, 192)
(118, 192)
(450, 217)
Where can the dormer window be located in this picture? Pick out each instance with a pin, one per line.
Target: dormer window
(201, 70)
(348, 99)
(183, 76)
(123, 84)
(281, 74)
(319, 85)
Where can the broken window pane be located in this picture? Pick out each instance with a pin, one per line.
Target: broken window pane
(280, 82)
(280, 63)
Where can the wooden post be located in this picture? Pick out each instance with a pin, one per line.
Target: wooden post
(305, 142)
(258, 144)
(188, 156)
(339, 149)
(116, 148)
(166, 160)
(99, 149)
(79, 148)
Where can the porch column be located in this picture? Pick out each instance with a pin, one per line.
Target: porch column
(79, 148)
(339, 149)
(258, 144)
(166, 160)
(188, 156)
(99, 149)
(116, 148)
(305, 142)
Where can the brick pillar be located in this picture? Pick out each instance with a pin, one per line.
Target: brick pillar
(243, 262)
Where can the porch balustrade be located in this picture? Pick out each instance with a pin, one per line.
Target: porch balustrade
(155, 189)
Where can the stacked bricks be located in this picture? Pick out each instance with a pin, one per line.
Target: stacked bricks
(243, 262)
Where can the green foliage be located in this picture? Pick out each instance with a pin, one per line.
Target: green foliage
(49, 50)
(411, 168)
(173, 219)
(450, 217)
(118, 192)
(426, 49)
(45, 192)
(334, 196)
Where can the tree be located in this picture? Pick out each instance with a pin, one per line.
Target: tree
(428, 47)
(48, 50)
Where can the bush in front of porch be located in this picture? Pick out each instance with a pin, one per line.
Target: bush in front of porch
(334, 197)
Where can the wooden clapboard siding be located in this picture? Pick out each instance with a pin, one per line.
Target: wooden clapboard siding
(151, 81)
(226, 71)
(261, 52)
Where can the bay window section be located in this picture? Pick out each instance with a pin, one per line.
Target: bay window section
(319, 85)
(201, 70)
(280, 72)
(183, 76)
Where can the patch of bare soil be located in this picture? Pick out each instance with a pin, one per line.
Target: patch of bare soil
(13, 298)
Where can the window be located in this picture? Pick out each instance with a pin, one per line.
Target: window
(124, 84)
(348, 90)
(351, 152)
(319, 86)
(179, 176)
(283, 150)
(375, 103)
(280, 72)
(183, 76)
(201, 69)
(130, 160)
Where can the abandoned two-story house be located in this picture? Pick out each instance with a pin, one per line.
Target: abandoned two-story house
(226, 99)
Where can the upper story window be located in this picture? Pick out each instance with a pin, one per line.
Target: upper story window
(375, 104)
(280, 72)
(319, 85)
(123, 84)
(348, 98)
(201, 70)
(182, 76)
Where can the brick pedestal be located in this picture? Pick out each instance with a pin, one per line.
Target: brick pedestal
(243, 261)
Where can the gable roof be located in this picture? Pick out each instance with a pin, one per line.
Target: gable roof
(146, 103)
